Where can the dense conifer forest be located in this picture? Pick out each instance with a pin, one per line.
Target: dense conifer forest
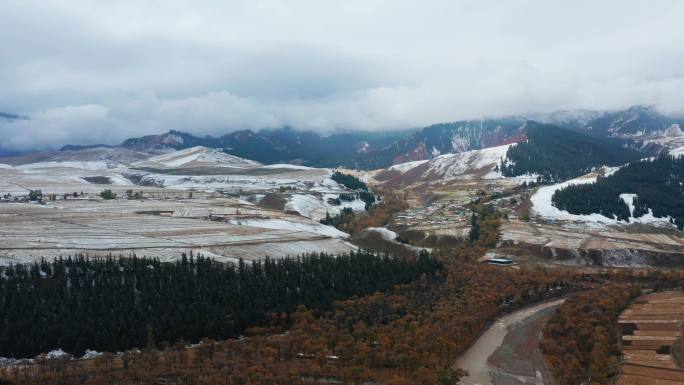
(116, 304)
(349, 181)
(557, 154)
(657, 183)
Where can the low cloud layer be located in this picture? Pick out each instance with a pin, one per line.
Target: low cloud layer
(98, 72)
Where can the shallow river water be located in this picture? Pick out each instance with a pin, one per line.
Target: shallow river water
(506, 354)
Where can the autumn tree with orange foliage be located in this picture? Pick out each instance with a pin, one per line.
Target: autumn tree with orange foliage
(378, 215)
(581, 339)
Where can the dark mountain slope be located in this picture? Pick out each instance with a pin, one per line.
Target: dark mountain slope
(556, 153)
(447, 138)
(283, 145)
(173, 140)
(366, 150)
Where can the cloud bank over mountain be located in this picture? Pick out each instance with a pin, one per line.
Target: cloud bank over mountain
(89, 72)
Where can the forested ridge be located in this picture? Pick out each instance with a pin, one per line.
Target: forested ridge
(409, 334)
(556, 154)
(116, 304)
(658, 184)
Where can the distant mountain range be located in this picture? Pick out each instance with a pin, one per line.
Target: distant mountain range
(632, 122)
(372, 150)
(284, 145)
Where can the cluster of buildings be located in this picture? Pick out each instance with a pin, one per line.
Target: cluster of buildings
(440, 214)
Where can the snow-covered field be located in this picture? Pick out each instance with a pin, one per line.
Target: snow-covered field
(92, 165)
(223, 187)
(306, 189)
(60, 178)
(152, 228)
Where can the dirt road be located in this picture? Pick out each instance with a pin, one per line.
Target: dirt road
(506, 354)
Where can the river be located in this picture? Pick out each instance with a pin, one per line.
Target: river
(506, 353)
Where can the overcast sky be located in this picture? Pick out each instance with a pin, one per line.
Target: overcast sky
(87, 71)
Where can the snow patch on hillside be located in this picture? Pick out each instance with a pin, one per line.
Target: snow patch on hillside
(629, 199)
(281, 224)
(542, 205)
(451, 165)
(467, 165)
(315, 207)
(647, 218)
(57, 353)
(386, 234)
(677, 151)
(288, 166)
(197, 156)
(608, 171)
(403, 167)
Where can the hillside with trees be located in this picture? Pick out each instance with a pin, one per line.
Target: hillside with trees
(556, 154)
(116, 304)
(349, 181)
(581, 339)
(658, 184)
(408, 335)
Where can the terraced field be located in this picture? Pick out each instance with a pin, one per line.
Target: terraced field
(649, 328)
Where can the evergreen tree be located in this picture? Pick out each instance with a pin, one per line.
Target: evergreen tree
(474, 233)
